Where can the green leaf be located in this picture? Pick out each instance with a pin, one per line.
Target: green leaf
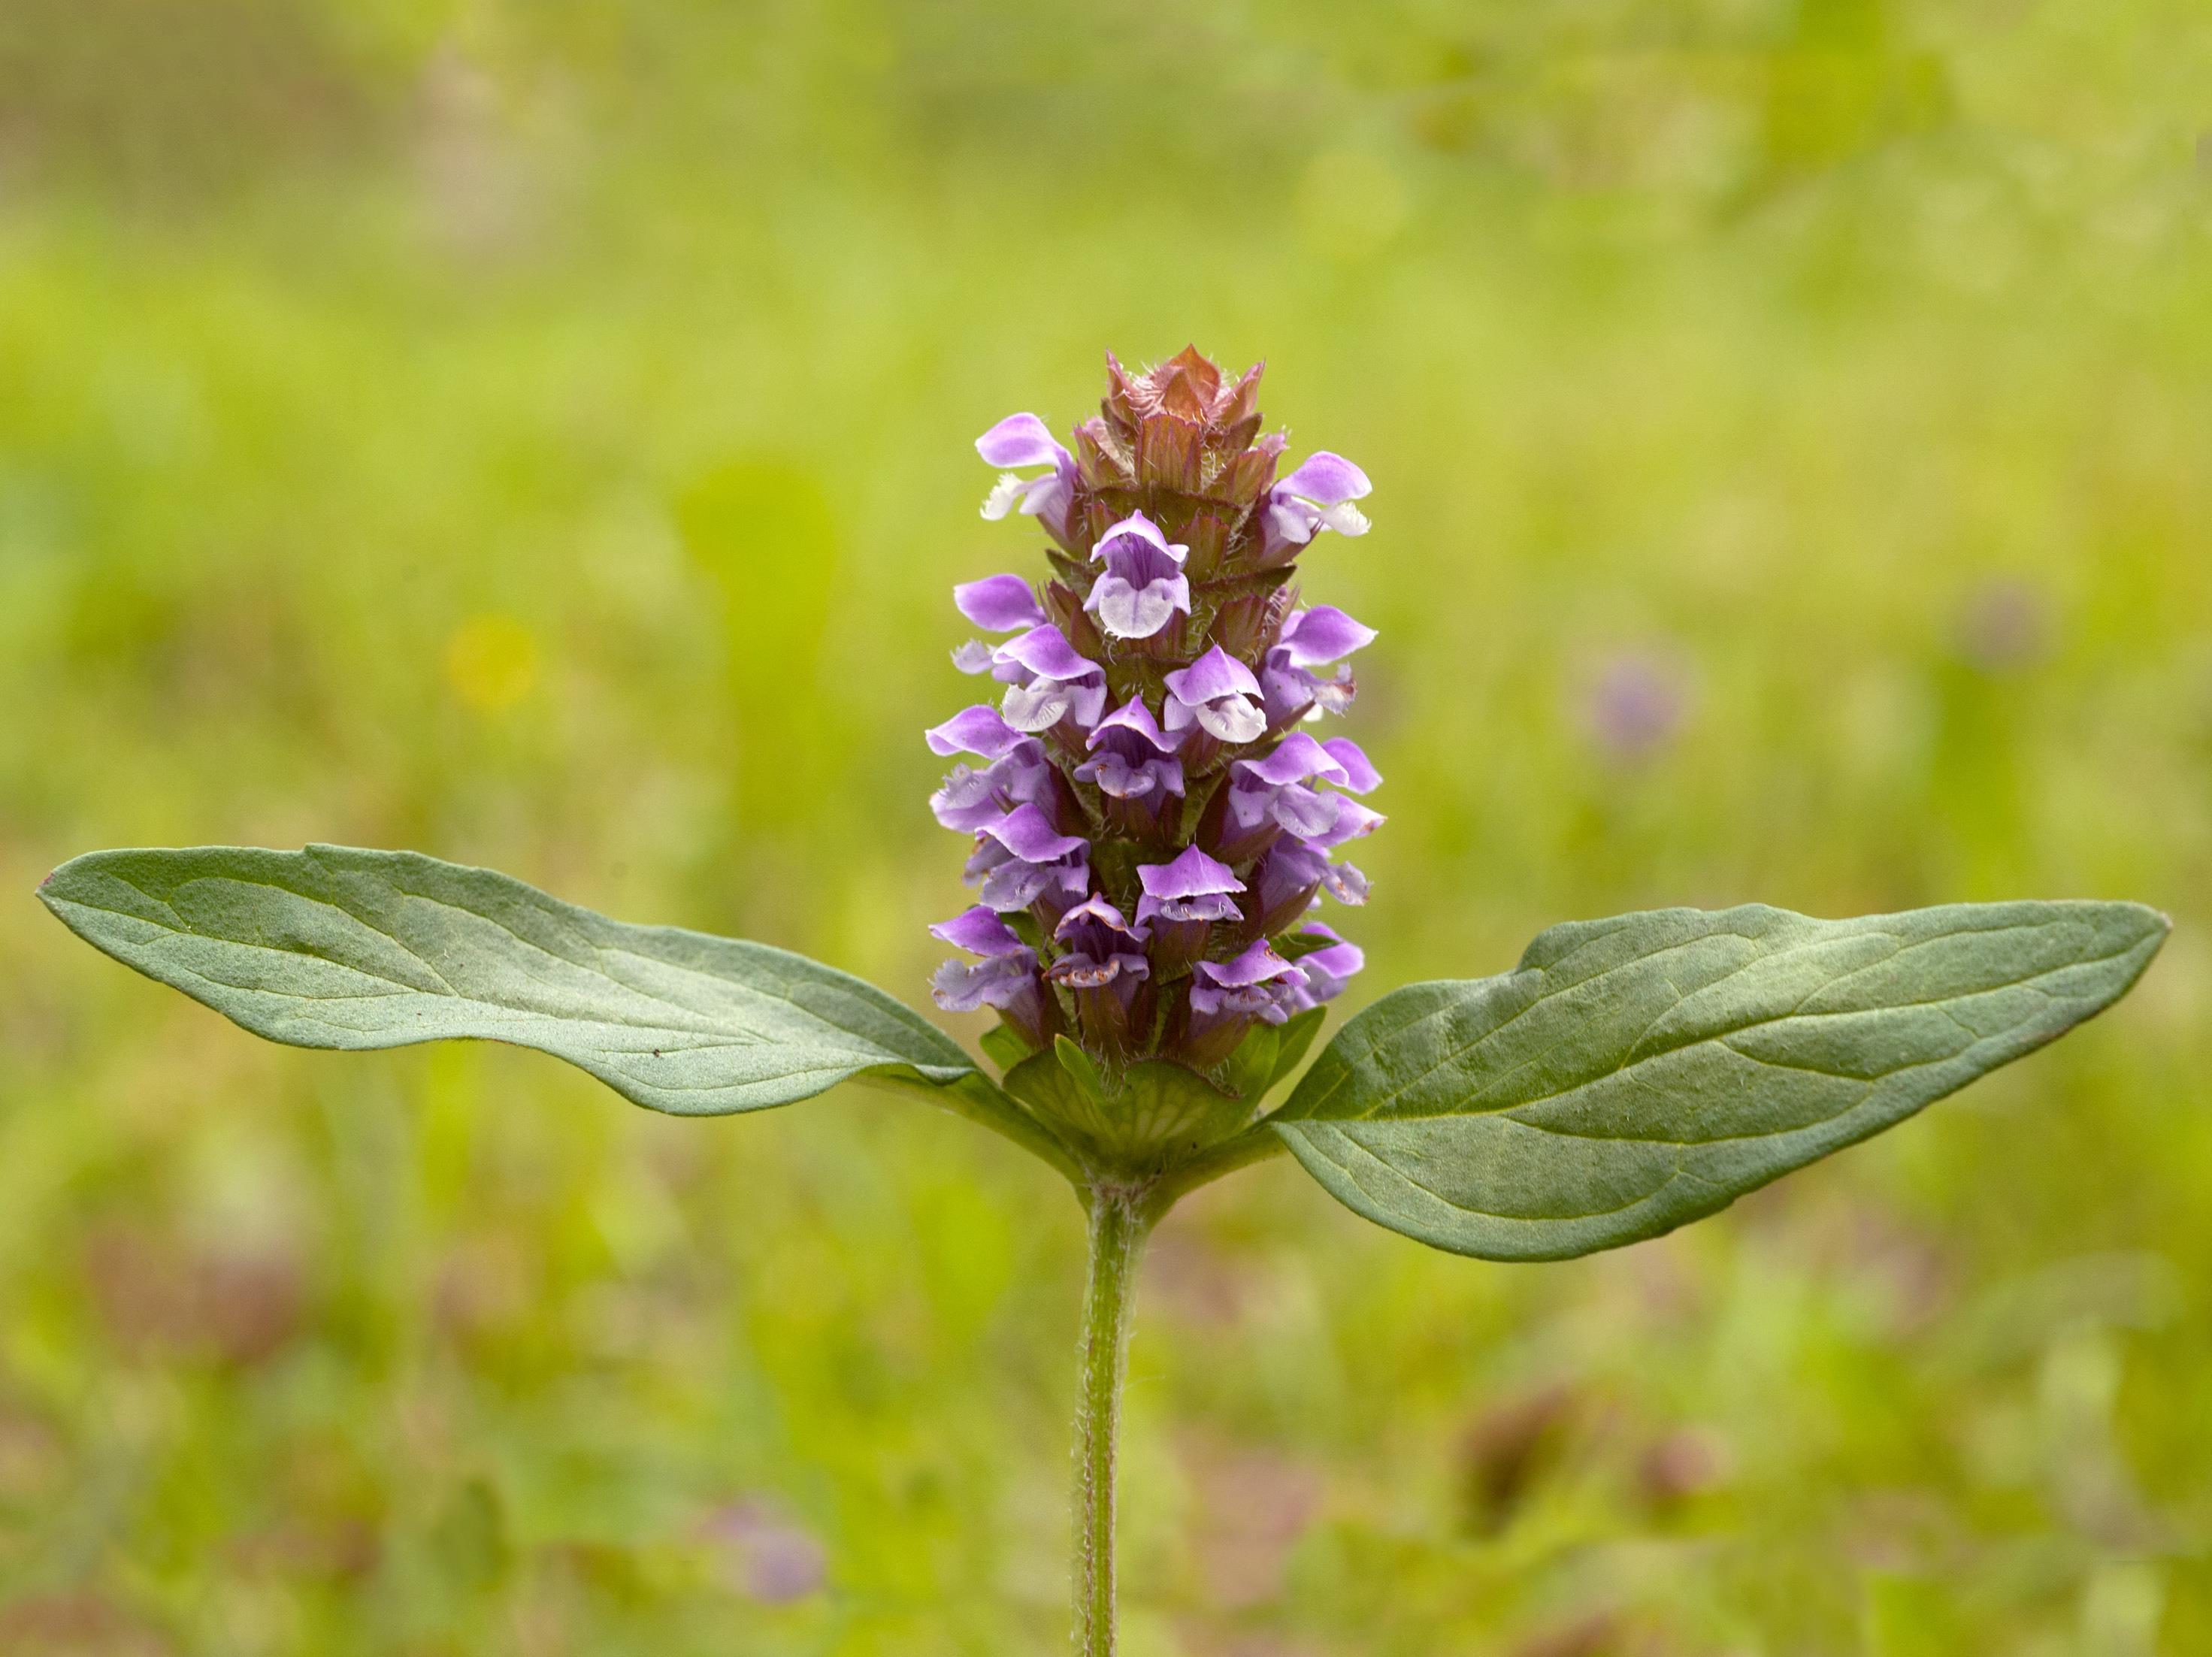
(1003, 1045)
(333, 947)
(1634, 1074)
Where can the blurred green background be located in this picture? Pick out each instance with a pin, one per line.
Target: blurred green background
(539, 434)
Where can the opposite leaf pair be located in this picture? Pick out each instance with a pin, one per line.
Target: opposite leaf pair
(1629, 1076)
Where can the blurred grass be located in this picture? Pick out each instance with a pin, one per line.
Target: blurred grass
(540, 435)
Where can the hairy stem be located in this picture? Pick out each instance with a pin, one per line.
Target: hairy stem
(1119, 1220)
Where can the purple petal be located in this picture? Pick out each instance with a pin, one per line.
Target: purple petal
(1134, 715)
(974, 731)
(998, 604)
(1259, 964)
(974, 656)
(1321, 634)
(1128, 612)
(1344, 883)
(1097, 910)
(1044, 650)
(1116, 776)
(1360, 776)
(970, 799)
(1211, 906)
(1212, 675)
(1325, 479)
(1297, 757)
(957, 986)
(1350, 820)
(979, 932)
(1311, 815)
(1027, 834)
(1192, 874)
(1137, 526)
(1022, 440)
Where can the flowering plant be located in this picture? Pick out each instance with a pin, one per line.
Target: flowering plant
(1154, 827)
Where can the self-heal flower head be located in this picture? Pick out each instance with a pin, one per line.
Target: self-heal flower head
(1218, 694)
(1145, 806)
(1143, 586)
(1022, 440)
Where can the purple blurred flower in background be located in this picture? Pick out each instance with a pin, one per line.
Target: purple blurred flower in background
(1637, 704)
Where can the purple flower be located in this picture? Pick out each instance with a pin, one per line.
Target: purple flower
(1000, 603)
(1022, 439)
(971, 799)
(1009, 965)
(1327, 969)
(1220, 694)
(1144, 585)
(996, 603)
(1051, 681)
(1637, 705)
(1318, 496)
(1273, 788)
(1022, 858)
(1293, 875)
(977, 731)
(1194, 887)
(1310, 639)
(1132, 757)
(1257, 982)
(1101, 947)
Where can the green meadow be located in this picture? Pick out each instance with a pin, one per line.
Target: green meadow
(540, 434)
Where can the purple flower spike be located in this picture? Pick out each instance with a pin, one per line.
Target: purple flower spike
(1022, 439)
(974, 731)
(1050, 681)
(1257, 982)
(1144, 585)
(998, 604)
(1151, 699)
(1318, 496)
(1101, 947)
(1218, 693)
(1194, 887)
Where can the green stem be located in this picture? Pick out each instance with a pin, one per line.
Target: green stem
(1120, 1220)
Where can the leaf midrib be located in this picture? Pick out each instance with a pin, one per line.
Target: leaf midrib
(1375, 1111)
